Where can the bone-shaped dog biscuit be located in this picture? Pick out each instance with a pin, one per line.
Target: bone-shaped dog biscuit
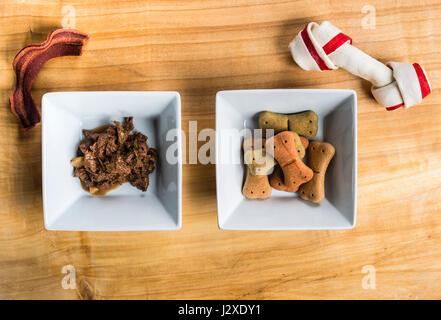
(251, 143)
(256, 186)
(272, 120)
(256, 158)
(305, 142)
(299, 145)
(303, 123)
(319, 156)
(277, 179)
(295, 172)
(259, 162)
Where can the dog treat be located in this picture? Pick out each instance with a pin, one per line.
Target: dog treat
(256, 187)
(251, 143)
(256, 157)
(258, 161)
(258, 164)
(299, 145)
(276, 179)
(319, 156)
(272, 120)
(28, 63)
(305, 142)
(295, 172)
(325, 47)
(110, 156)
(303, 123)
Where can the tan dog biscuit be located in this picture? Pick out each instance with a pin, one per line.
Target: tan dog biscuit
(271, 120)
(305, 142)
(284, 148)
(299, 141)
(319, 156)
(256, 187)
(258, 161)
(295, 172)
(303, 123)
(299, 145)
(256, 158)
(251, 143)
(277, 180)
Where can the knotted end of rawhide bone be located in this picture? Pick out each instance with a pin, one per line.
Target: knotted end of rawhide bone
(410, 87)
(28, 63)
(324, 47)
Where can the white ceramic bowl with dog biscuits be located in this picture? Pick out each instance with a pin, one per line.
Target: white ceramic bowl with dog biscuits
(337, 124)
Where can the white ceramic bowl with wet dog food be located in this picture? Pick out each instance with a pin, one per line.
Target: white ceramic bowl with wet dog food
(67, 206)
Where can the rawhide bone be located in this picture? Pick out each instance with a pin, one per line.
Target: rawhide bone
(303, 123)
(256, 184)
(325, 47)
(295, 172)
(319, 156)
(28, 63)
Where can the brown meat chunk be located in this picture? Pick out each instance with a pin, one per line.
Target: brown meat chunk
(113, 155)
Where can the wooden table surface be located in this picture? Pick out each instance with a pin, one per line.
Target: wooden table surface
(198, 48)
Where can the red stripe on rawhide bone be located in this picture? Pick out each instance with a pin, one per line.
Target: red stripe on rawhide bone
(27, 64)
(336, 43)
(395, 107)
(312, 51)
(424, 83)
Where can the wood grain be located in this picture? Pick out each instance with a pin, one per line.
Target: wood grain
(198, 48)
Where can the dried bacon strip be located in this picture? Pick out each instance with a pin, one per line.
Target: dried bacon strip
(28, 63)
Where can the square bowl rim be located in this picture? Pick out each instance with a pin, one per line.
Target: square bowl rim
(351, 93)
(174, 94)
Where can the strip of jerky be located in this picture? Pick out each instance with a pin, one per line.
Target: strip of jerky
(28, 63)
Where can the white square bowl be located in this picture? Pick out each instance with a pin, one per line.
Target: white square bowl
(337, 112)
(66, 205)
